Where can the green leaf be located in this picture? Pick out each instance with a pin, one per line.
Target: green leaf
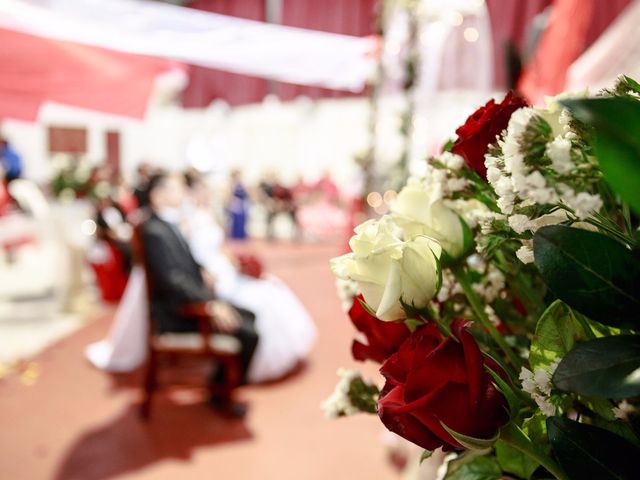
(556, 334)
(607, 367)
(514, 461)
(601, 406)
(467, 237)
(585, 451)
(535, 427)
(616, 122)
(590, 272)
(425, 455)
(619, 427)
(600, 330)
(627, 84)
(478, 468)
(447, 146)
(412, 324)
(471, 443)
(507, 391)
(363, 396)
(496, 358)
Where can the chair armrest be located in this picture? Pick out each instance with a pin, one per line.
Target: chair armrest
(196, 310)
(201, 312)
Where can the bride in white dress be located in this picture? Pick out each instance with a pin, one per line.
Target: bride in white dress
(284, 326)
(286, 330)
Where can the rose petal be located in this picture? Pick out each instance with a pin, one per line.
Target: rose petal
(474, 362)
(404, 424)
(389, 307)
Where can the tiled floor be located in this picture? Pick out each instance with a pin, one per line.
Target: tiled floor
(65, 420)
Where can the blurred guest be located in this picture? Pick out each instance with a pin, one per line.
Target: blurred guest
(277, 199)
(237, 207)
(123, 196)
(10, 161)
(328, 188)
(322, 217)
(301, 191)
(5, 199)
(113, 228)
(141, 193)
(110, 255)
(286, 330)
(177, 279)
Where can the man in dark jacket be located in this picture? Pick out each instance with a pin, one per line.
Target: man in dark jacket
(176, 279)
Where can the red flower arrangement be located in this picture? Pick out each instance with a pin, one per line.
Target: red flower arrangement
(481, 128)
(432, 381)
(383, 338)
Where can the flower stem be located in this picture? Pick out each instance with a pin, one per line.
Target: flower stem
(614, 233)
(476, 305)
(512, 435)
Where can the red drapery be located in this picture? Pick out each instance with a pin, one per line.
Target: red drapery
(36, 69)
(510, 22)
(351, 17)
(206, 84)
(573, 26)
(348, 17)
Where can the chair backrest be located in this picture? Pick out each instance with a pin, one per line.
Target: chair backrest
(138, 258)
(138, 253)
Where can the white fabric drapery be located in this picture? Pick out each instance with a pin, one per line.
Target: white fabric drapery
(232, 44)
(125, 347)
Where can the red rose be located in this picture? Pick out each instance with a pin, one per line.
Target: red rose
(383, 338)
(431, 380)
(249, 265)
(481, 128)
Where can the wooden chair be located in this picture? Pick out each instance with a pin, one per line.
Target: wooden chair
(206, 343)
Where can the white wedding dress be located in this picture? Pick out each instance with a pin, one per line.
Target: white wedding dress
(284, 326)
(286, 330)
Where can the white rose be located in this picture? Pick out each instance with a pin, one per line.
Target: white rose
(389, 271)
(416, 214)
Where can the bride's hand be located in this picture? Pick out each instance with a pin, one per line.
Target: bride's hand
(224, 317)
(209, 279)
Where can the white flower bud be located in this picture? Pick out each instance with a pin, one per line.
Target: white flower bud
(525, 254)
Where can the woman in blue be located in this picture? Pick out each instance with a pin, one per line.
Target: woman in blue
(237, 207)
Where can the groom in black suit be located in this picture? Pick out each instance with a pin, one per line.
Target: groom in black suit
(176, 279)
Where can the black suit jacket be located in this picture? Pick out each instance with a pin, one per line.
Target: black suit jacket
(175, 277)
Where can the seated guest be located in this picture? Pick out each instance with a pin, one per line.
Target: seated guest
(112, 228)
(321, 217)
(5, 198)
(238, 207)
(176, 279)
(10, 161)
(141, 191)
(278, 199)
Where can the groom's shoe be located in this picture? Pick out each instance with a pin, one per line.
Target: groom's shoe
(228, 408)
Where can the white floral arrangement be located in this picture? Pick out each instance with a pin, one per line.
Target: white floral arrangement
(501, 294)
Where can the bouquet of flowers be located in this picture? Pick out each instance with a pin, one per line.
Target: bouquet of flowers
(71, 176)
(501, 295)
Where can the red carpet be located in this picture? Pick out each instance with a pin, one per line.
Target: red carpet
(79, 423)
